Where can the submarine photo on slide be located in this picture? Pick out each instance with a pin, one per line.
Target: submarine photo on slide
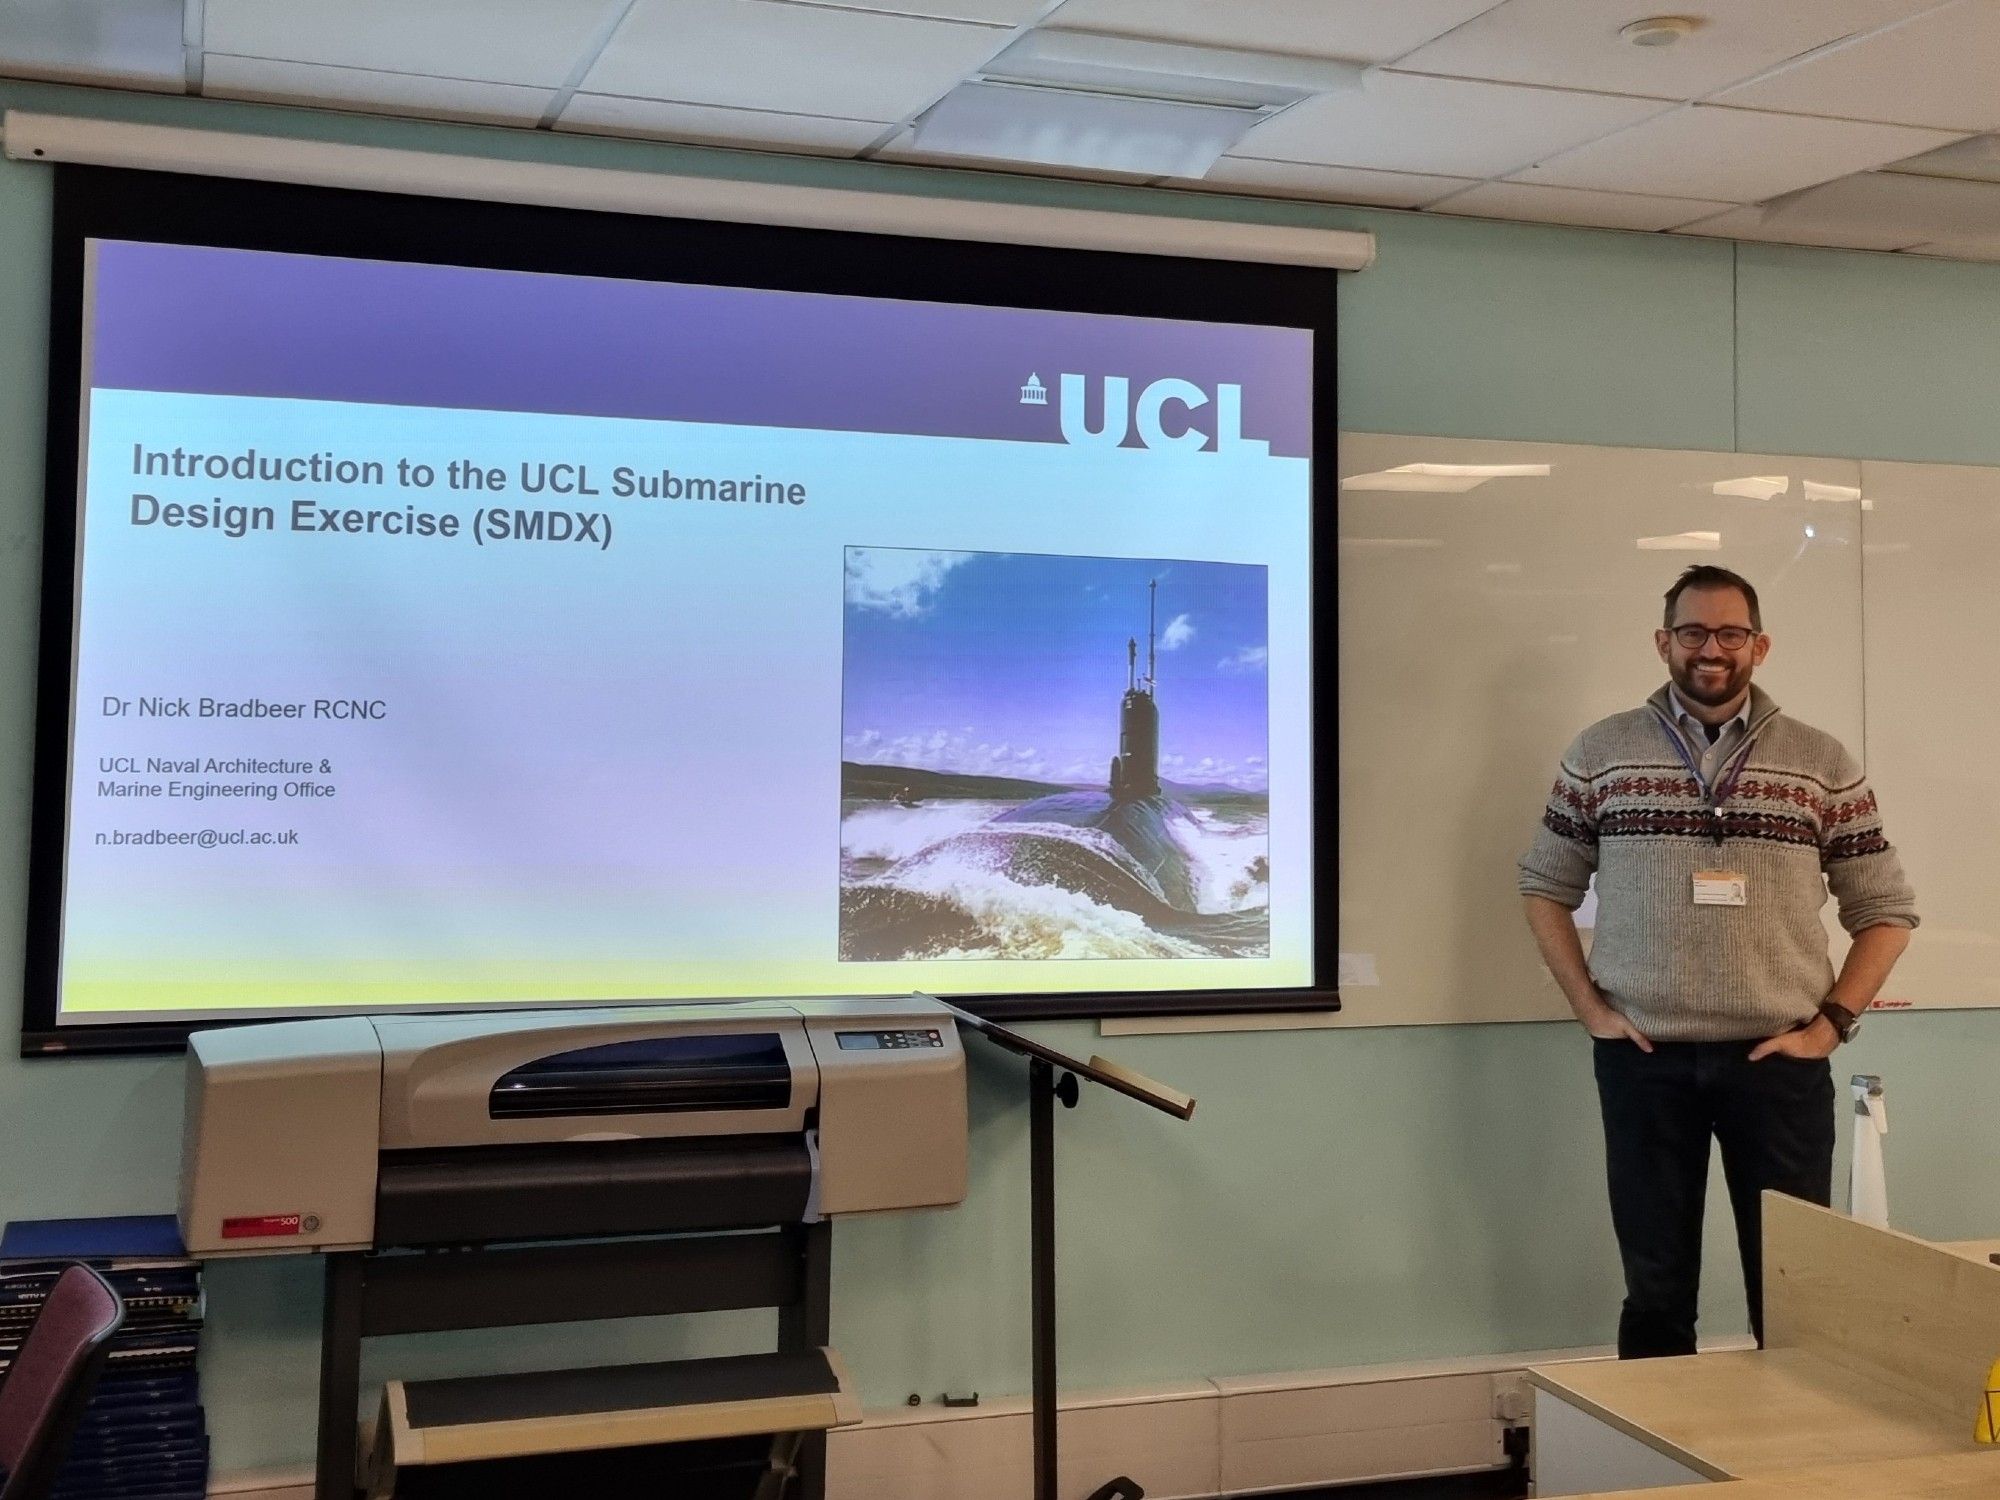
(1049, 757)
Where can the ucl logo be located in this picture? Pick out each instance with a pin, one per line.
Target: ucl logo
(1167, 414)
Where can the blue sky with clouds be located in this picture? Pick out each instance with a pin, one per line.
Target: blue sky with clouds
(1014, 664)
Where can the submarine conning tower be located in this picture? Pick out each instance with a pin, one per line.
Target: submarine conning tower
(1135, 770)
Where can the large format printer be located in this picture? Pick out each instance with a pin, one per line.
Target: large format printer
(355, 1132)
(508, 1168)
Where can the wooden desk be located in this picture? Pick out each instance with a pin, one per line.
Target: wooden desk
(1979, 1250)
(1960, 1476)
(1879, 1345)
(1741, 1415)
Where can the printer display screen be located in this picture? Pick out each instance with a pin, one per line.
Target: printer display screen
(888, 1041)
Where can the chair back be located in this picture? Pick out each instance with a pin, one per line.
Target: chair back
(49, 1382)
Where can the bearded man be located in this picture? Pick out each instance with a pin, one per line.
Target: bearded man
(1714, 826)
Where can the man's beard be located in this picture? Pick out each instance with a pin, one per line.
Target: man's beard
(1711, 692)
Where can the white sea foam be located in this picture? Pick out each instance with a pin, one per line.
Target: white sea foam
(887, 832)
(1227, 857)
(1036, 921)
(947, 849)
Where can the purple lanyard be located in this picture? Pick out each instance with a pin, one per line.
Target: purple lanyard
(1725, 788)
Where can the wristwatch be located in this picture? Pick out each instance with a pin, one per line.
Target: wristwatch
(1846, 1024)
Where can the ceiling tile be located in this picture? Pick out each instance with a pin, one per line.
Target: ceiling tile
(1738, 155)
(500, 41)
(710, 125)
(1367, 30)
(1960, 249)
(1977, 160)
(1398, 123)
(131, 45)
(224, 77)
(1937, 70)
(1555, 205)
(1750, 224)
(1575, 43)
(761, 54)
(1291, 179)
(1917, 210)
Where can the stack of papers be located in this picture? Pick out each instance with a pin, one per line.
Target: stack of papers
(144, 1436)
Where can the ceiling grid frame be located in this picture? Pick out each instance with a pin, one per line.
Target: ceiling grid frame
(1540, 189)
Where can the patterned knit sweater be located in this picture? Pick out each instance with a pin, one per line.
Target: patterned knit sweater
(1798, 820)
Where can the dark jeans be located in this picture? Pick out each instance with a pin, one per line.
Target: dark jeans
(1774, 1120)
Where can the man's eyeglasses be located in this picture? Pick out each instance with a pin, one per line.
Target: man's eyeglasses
(1729, 637)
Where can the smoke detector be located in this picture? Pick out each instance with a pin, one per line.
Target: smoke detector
(1660, 31)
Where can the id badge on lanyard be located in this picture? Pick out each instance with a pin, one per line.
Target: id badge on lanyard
(1715, 887)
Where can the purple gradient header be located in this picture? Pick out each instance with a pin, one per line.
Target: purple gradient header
(256, 323)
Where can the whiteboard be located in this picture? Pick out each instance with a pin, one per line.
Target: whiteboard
(1932, 562)
(1486, 617)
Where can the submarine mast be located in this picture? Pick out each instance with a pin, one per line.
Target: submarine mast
(1152, 619)
(1135, 770)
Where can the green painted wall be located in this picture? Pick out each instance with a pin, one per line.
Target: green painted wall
(1342, 1197)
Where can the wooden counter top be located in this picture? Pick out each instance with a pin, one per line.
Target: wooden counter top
(1958, 1476)
(1979, 1250)
(1756, 1412)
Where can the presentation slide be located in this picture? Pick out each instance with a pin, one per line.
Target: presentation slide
(451, 636)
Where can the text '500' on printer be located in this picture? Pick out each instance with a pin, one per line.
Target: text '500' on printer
(371, 1131)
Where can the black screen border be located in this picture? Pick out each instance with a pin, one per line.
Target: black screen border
(167, 208)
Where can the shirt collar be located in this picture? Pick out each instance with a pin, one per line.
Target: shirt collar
(1684, 715)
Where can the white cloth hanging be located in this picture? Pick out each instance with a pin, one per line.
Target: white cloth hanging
(1867, 1191)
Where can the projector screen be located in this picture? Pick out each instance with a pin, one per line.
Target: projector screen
(449, 625)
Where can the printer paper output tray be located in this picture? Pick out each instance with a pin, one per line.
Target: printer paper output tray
(573, 1411)
(587, 1188)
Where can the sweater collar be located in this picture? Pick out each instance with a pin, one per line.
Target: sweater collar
(1761, 709)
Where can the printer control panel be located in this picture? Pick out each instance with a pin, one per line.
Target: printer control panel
(885, 1041)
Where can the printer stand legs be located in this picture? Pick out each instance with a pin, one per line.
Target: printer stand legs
(808, 1324)
(369, 1294)
(339, 1378)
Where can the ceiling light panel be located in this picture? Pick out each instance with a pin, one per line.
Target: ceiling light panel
(1576, 43)
(1062, 128)
(1554, 205)
(129, 45)
(1120, 104)
(712, 125)
(534, 42)
(1365, 30)
(1169, 70)
(1936, 71)
(904, 149)
(1733, 155)
(1449, 127)
(372, 92)
(799, 59)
